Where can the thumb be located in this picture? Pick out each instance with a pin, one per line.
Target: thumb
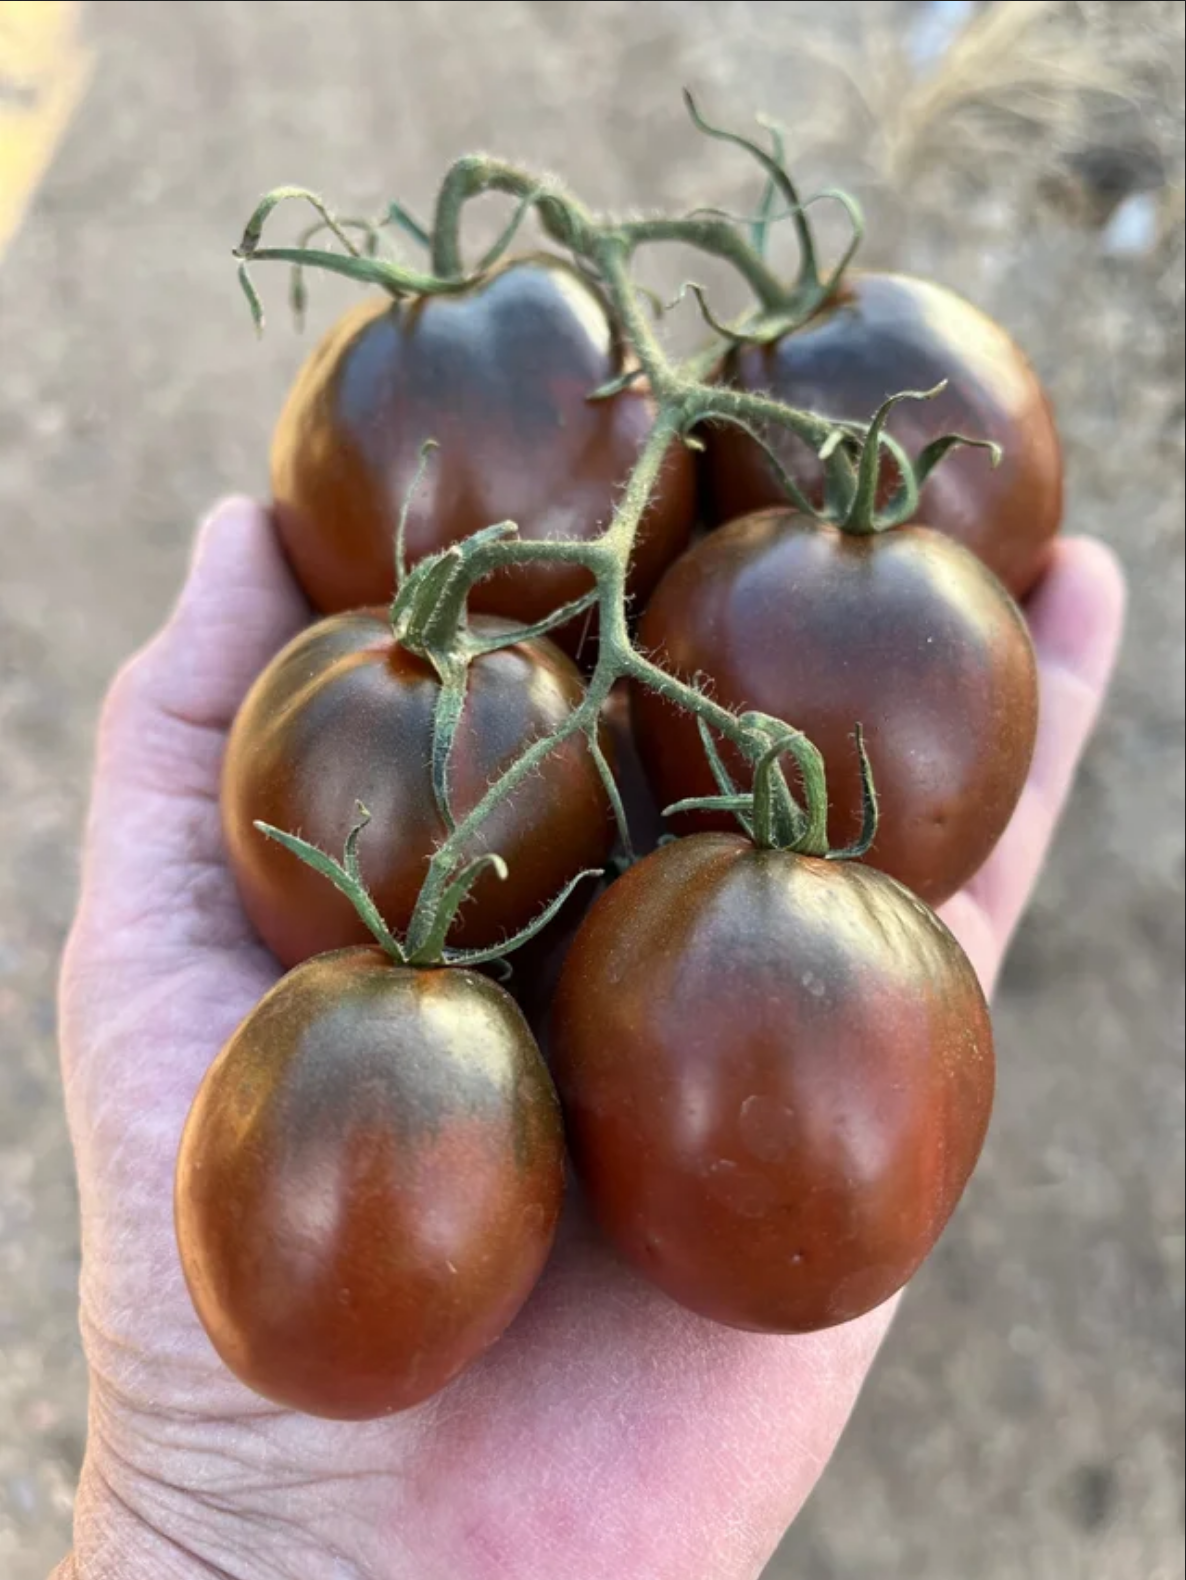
(153, 834)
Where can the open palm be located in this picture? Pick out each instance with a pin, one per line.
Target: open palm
(610, 1434)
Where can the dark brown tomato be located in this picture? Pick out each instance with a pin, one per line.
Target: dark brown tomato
(368, 1184)
(776, 1074)
(885, 333)
(905, 633)
(500, 378)
(344, 714)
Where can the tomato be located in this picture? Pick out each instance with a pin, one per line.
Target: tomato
(903, 632)
(884, 333)
(500, 378)
(344, 714)
(776, 1074)
(368, 1184)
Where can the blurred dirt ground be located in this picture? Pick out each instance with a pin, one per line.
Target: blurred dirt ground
(1026, 1417)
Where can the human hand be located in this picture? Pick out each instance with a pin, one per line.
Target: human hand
(610, 1433)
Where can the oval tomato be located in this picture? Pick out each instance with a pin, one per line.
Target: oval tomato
(776, 1074)
(903, 632)
(369, 1184)
(884, 333)
(344, 714)
(500, 378)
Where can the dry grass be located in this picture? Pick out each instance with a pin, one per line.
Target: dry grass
(1053, 92)
(1017, 71)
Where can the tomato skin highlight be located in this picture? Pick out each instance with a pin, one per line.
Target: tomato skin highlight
(776, 1075)
(344, 714)
(368, 1184)
(500, 377)
(884, 333)
(903, 632)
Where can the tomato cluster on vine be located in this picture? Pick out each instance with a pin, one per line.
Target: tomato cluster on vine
(767, 1059)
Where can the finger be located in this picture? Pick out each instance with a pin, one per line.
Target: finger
(1076, 618)
(153, 845)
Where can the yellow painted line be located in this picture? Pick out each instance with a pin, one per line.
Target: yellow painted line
(44, 67)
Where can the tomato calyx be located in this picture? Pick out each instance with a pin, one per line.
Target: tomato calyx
(424, 944)
(361, 264)
(429, 617)
(365, 264)
(851, 500)
(428, 613)
(785, 307)
(769, 814)
(854, 456)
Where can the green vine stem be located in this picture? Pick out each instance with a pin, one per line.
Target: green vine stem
(424, 946)
(429, 610)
